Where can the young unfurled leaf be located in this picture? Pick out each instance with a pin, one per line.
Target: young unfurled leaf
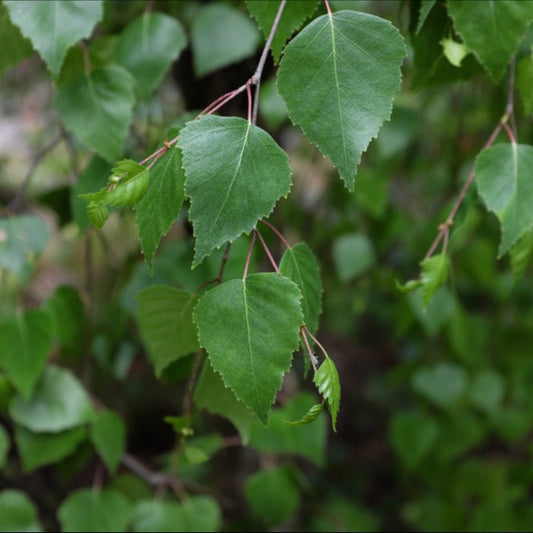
(338, 77)
(250, 328)
(309, 417)
(327, 381)
(127, 186)
(503, 177)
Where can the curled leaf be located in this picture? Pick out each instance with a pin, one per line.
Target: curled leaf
(309, 417)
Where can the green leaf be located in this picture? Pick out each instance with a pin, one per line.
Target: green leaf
(250, 328)
(59, 402)
(213, 395)
(4, 446)
(307, 440)
(412, 436)
(98, 107)
(220, 36)
(272, 495)
(353, 254)
(22, 238)
(455, 52)
(310, 416)
(162, 202)
(165, 320)
(492, 30)
(14, 46)
(524, 82)
(235, 173)
(327, 381)
(300, 265)
(503, 181)
(458, 435)
(443, 384)
(425, 8)
(108, 434)
(38, 449)
(147, 48)
(294, 15)
(54, 28)
(26, 341)
(17, 512)
(272, 107)
(487, 391)
(94, 510)
(520, 254)
(348, 67)
(197, 513)
(340, 514)
(180, 424)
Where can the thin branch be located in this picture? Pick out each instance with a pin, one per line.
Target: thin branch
(280, 236)
(191, 383)
(247, 264)
(267, 251)
(509, 108)
(256, 78)
(222, 100)
(309, 351)
(510, 133)
(316, 341)
(327, 7)
(249, 94)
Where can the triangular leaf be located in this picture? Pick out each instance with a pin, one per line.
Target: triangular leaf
(54, 27)
(162, 202)
(310, 416)
(327, 381)
(98, 107)
(235, 173)
(250, 328)
(26, 341)
(503, 177)
(492, 30)
(108, 434)
(165, 319)
(348, 67)
(521, 254)
(147, 48)
(295, 13)
(301, 266)
(424, 9)
(17, 512)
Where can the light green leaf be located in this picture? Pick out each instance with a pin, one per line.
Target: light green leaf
(147, 48)
(54, 27)
(348, 67)
(22, 238)
(197, 513)
(492, 30)
(59, 402)
(308, 440)
(310, 416)
(17, 512)
(300, 265)
(524, 82)
(425, 8)
(4, 446)
(94, 510)
(412, 436)
(454, 52)
(353, 254)
(443, 384)
(213, 395)
(235, 173)
(162, 202)
(14, 46)
(165, 320)
(220, 36)
(272, 107)
(487, 390)
(38, 449)
(250, 328)
(108, 434)
(272, 495)
(327, 381)
(520, 254)
(295, 13)
(98, 107)
(26, 341)
(503, 180)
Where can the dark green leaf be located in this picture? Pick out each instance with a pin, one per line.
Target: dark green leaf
(94, 510)
(17, 512)
(425, 8)
(235, 173)
(165, 319)
(108, 434)
(14, 46)
(520, 254)
(4, 446)
(98, 107)
(487, 390)
(353, 255)
(59, 402)
(38, 449)
(54, 28)
(220, 36)
(25, 341)
(327, 381)
(348, 67)
(147, 48)
(162, 202)
(524, 82)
